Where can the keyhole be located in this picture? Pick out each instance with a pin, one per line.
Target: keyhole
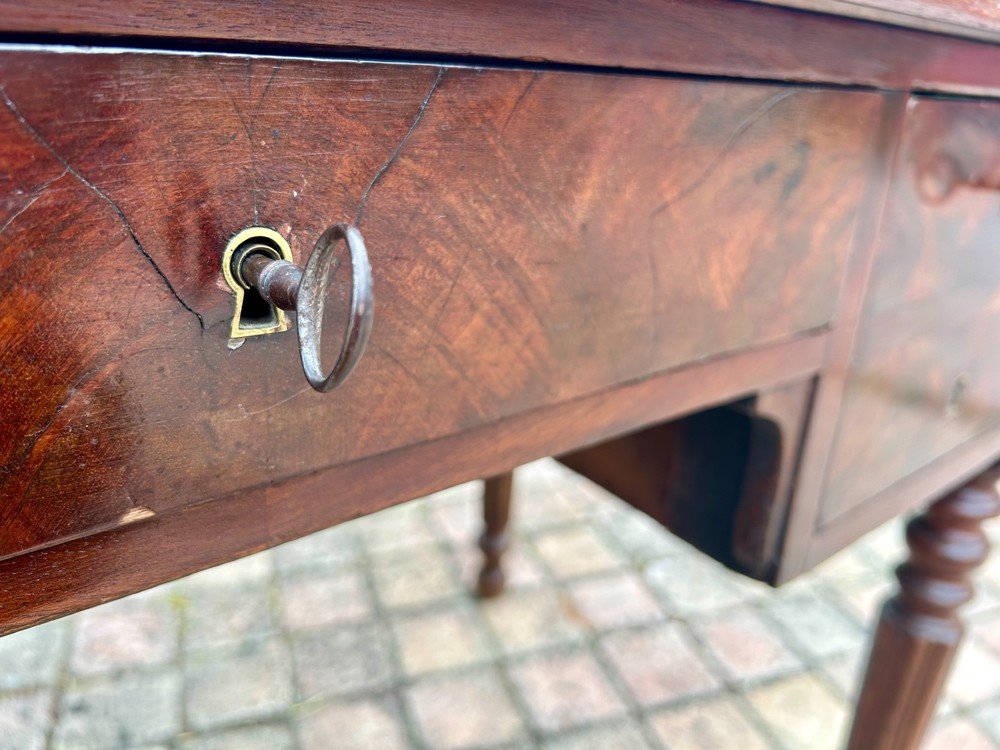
(252, 314)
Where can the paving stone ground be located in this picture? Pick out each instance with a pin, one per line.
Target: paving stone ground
(612, 634)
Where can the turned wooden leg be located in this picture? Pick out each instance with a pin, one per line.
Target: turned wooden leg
(919, 629)
(493, 542)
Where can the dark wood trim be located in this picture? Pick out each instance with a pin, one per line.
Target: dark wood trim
(719, 479)
(823, 424)
(42, 585)
(919, 629)
(779, 419)
(497, 493)
(949, 471)
(704, 37)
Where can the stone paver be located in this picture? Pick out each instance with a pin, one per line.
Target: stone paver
(619, 735)
(691, 583)
(464, 711)
(574, 551)
(223, 615)
(405, 526)
(612, 634)
(255, 570)
(545, 499)
(566, 690)
(24, 720)
(659, 664)
(716, 723)
(354, 725)
(521, 570)
(32, 657)
(325, 551)
(259, 737)
(453, 517)
(314, 601)
(439, 639)
(528, 620)
(129, 633)
(414, 576)
(802, 711)
(138, 709)
(988, 717)
(815, 624)
(846, 671)
(245, 683)
(641, 537)
(613, 601)
(976, 674)
(745, 645)
(342, 661)
(956, 733)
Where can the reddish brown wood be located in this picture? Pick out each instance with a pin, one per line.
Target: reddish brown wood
(494, 540)
(919, 629)
(778, 421)
(924, 377)
(707, 37)
(561, 259)
(147, 551)
(536, 237)
(976, 18)
(916, 490)
(719, 479)
(800, 530)
(908, 404)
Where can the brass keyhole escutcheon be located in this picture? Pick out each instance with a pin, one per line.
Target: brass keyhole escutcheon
(252, 314)
(257, 265)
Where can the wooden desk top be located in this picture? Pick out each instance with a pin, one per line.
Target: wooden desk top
(763, 40)
(975, 19)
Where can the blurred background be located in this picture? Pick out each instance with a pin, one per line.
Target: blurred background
(612, 634)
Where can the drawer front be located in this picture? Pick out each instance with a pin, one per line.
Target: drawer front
(535, 236)
(925, 375)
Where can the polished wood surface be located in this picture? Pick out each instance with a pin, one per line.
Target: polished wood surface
(919, 629)
(815, 529)
(974, 18)
(83, 572)
(924, 378)
(536, 237)
(703, 37)
(762, 311)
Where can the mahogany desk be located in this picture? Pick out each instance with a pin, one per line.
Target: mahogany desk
(737, 261)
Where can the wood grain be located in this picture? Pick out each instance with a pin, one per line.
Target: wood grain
(705, 37)
(67, 577)
(924, 378)
(535, 237)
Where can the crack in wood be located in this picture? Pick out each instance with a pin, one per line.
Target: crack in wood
(738, 131)
(41, 140)
(399, 148)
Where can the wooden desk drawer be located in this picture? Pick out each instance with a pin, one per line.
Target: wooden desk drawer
(535, 236)
(925, 375)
